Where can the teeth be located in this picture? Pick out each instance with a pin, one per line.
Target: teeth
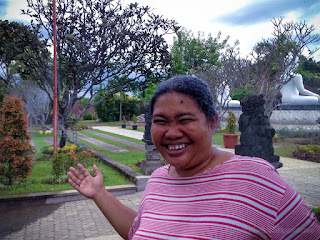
(176, 147)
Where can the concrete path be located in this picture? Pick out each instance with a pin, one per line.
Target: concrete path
(126, 142)
(121, 131)
(104, 145)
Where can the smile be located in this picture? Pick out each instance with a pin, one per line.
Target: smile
(177, 147)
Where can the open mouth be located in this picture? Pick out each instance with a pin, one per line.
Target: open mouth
(177, 147)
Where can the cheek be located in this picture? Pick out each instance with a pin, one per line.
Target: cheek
(155, 134)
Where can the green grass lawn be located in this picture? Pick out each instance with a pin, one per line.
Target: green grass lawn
(42, 169)
(129, 159)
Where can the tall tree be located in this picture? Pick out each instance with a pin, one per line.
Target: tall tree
(37, 104)
(274, 60)
(190, 53)
(98, 40)
(16, 42)
(224, 77)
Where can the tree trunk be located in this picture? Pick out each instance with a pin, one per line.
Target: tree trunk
(63, 138)
(120, 117)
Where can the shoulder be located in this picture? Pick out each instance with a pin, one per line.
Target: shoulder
(253, 169)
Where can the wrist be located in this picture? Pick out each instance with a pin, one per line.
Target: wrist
(100, 194)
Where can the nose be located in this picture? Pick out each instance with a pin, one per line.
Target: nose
(173, 132)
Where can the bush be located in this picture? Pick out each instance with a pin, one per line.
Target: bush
(89, 116)
(231, 123)
(15, 149)
(64, 159)
(310, 152)
(134, 119)
(58, 164)
(297, 133)
(108, 110)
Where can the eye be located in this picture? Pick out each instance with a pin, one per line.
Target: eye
(159, 121)
(185, 120)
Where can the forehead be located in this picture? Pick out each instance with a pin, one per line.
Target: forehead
(174, 100)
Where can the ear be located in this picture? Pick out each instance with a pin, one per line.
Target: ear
(214, 123)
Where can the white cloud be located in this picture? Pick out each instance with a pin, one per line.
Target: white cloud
(198, 15)
(14, 10)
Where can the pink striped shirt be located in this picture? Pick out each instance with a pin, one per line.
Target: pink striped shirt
(243, 198)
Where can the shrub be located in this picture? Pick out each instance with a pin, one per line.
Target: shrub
(88, 116)
(58, 165)
(309, 152)
(64, 159)
(108, 110)
(124, 120)
(134, 118)
(15, 149)
(231, 123)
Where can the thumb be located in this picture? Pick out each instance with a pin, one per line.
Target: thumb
(96, 170)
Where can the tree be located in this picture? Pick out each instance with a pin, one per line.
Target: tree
(16, 42)
(310, 71)
(15, 149)
(274, 60)
(97, 41)
(37, 103)
(191, 53)
(224, 77)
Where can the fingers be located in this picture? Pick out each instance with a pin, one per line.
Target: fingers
(83, 170)
(75, 177)
(73, 184)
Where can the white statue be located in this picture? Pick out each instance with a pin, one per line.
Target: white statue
(227, 99)
(290, 93)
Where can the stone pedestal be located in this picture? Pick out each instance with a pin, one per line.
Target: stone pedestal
(75, 137)
(154, 159)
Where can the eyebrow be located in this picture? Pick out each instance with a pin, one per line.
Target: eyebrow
(179, 115)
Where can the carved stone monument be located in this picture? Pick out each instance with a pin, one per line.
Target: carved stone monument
(153, 157)
(256, 132)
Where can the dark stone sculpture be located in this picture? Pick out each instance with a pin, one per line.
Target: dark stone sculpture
(256, 132)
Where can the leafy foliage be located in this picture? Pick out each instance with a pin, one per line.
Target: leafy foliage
(17, 41)
(15, 149)
(231, 123)
(309, 152)
(190, 53)
(310, 71)
(108, 110)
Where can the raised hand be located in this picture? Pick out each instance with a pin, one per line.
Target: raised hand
(84, 183)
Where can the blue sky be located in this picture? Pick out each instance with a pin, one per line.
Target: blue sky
(248, 21)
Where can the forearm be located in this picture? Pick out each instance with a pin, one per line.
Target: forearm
(120, 216)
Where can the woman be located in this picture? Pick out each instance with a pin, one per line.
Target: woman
(202, 193)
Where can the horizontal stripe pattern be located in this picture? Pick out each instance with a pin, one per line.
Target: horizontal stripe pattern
(243, 198)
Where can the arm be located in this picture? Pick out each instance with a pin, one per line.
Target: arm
(299, 84)
(295, 219)
(120, 216)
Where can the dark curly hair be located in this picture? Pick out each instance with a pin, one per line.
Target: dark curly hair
(190, 86)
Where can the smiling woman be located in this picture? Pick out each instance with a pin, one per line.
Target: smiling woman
(202, 193)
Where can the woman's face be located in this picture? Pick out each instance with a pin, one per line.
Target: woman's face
(180, 131)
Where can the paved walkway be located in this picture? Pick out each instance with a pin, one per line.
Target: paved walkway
(99, 143)
(83, 220)
(121, 131)
(126, 142)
